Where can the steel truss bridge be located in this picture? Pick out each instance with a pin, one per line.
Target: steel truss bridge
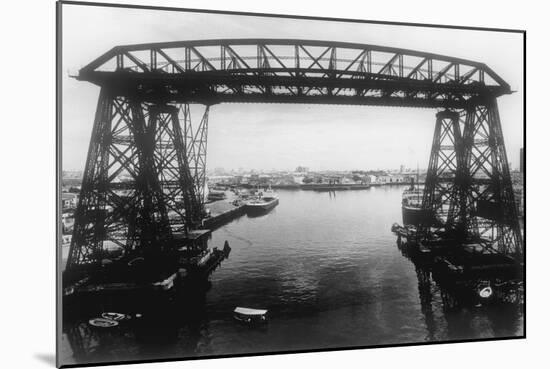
(144, 179)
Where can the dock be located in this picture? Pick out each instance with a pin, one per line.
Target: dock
(334, 187)
(221, 213)
(190, 257)
(126, 277)
(466, 268)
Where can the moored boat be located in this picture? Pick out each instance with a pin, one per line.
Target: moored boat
(411, 206)
(215, 195)
(262, 203)
(332, 188)
(323, 187)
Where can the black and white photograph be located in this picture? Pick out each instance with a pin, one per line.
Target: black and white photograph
(234, 184)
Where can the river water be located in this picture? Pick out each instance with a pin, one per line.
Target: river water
(328, 269)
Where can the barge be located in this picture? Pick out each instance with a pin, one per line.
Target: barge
(262, 203)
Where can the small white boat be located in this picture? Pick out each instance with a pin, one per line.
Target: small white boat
(250, 316)
(115, 316)
(103, 323)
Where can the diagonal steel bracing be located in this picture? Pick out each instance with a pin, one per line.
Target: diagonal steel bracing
(143, 183)
(468, 189)
(292, 71)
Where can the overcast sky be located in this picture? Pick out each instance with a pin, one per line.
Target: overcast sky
(283, 136)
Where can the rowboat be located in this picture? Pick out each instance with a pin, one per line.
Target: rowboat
(250, 316)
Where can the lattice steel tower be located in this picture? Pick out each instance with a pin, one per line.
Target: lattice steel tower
(468, 187)
(144, 179)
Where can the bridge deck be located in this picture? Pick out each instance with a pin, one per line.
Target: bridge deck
(291, 71)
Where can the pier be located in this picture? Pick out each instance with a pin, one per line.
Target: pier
(221, 213)
(122, 277)
(188, 267)
(471, 271)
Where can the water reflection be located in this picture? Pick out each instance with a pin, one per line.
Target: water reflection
(464, 316)
(160, 326)
(426, 299)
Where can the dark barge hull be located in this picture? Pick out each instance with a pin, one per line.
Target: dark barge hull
(261, 208)
(416, 216)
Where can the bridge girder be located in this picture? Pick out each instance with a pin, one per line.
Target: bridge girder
(292, 71)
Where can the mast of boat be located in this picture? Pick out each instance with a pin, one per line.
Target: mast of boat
(417, 187)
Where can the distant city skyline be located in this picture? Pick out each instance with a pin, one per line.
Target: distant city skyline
(282, 136)
(290, 169)
(294, 170)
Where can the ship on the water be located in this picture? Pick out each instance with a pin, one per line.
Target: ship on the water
(411, 206)
(335, 186)
(330, 188)
(262, 203)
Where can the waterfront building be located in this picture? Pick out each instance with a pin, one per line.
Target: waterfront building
(67, 221)
(68, 200)
(370, 178)
(391, 178)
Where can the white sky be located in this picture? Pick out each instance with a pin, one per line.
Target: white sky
(283, 136)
